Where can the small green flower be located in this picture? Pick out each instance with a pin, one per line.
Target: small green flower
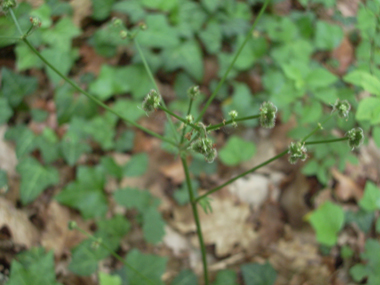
(151, 101)
(96, 243)
(297, 150)
(193, 92)
(117, 22)
(233, 114)
(123, 34)
(355, 137)
(8, 4)
(72, 225)
(204, 146)
(36, 22)
(189, 119)
(342, 107)
(268, 115)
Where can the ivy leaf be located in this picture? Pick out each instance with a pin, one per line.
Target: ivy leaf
(138, 81)
(327, 221)
(376, 135)
(34, 179)
(371, 198)
(188, 56)
(225, 277)
(111, 167)
(236, 150)
(136, 166)
(15, 86)
(60, 36)
(365, 80)
(101, 129)
(135, 198)
(211, 37)
(5, 111)
(153, 226)
(319, 78)
(132, 8)
(371, 269)
(25, 139)
(361, 218)
(125, 142)
(185, 277)
(369, 110)
(101, 9)
(258, 274)
(48, 145)
(73, 147)
(148, 265)
(181, 195)
(327, 36)
(86, 193)
(129, 109)
(106, 279)
(25, 58)
(33, 267)
(85, 258)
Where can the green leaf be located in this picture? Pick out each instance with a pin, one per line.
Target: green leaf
(15, 86)
(59, 38)
(159, 34)
(211, 37)
(137, 165)
(366, 23)
(346, 252)
(236, 150)
(25, 139)
(371, 269)
(327, 36)
(371, 198)
(102, 130)
(39, 115)
(110, 167)
(365, 80)
(327, 221)
(188, 56)
(319, 78)
(185, 277)
(135, 198)
(164, 5)
(369, 110)
(73, 147)
(86, 193)
(181, 195)
(211, 5)
(376, 136)
(259, 274)
(225, 277)
(138, 80)
(33, 267)
(311, 167)
(25, 58)
(106, 279)
(101, 9)
(129, 109)
(3, 182)
(377, 226)
(35, 179)
(252, 51)
(153, 226)
(125, 142)
(111, 81)
(5, 111)
(150, 266)
(85, 257)
(48, 145)
(44, 14)
(132, 8)
(361, 218)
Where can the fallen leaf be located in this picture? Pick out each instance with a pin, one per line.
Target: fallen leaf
(175, 241)
(174, 171)
(346, 188)
(344, 54)
(348, 8)
(81, 9)
(21, 229)
(8, 160)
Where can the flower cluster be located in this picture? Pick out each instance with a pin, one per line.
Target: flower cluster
(342, 107)
(193, 92)
(151, 101)
(36, 22)
(233, 114)
(268, 115)
(297, 150)
(8, 4)
(204, 146)
(355, 137)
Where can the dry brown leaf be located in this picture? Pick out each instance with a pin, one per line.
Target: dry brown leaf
(344, 54)
(57, 236)
(8, 160)
(174, 171)
(175, 241)
(348, 8)
(21, 229)
(346, 188)
(81, 9)
(225, 227)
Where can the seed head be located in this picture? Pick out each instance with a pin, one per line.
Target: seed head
(151, 101)
(297, 150)
(268, 115)
(355, 137)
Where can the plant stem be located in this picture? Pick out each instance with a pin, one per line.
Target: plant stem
(113, 253)
(188, 113)
(91, 97)
(248, 36)
(318, 127)
(179, 118)
(150, 74)
(196, 218)
(241, 175)
(217, 126)
(16, 22)
(327, 141)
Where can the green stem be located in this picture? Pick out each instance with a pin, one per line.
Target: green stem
(217, 126)
(113, 253)
(196, 218)
(93, 98)
(16, 22)
(179, 118)
(318, 127)
(248, 36)
(188, 113)
(241, 175)
(10, 38)
(150, 74)
(327, 141)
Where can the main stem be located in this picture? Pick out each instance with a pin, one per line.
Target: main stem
(91, 97)
(248, 36)
(193, 203)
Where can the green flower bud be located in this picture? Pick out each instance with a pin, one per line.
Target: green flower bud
(96, 243)
(297, 150)
(233, 114)
(268, 115)
(72, 225)
(116, 22)
(204, 146)
(143, 26)
(355, 138)
(193, 92)
(342, 107)
(8, 4)
(123, 34)
(151, 101)
(189, 119)
(36, 22)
